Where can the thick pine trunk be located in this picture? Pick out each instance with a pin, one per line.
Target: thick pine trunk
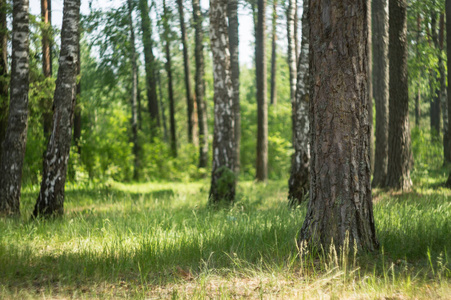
(399, 149)
(340, 206)
(298, 184)
(273, 54)
(380, 88)
(189, 96)
(46, 102)
(51, 196)
(262, 102)
(222, 176)
(200, 86)
(232, 11)
(149, 59)
(3, 73)
(134, 94)
(13, 148)
(170, 88)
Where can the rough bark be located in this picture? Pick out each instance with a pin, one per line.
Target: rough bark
(189, 96)
(170, 88)
(149, 63)
(3, 73)
(380, 88)
(370, 84)
(232, 8)
(46, 15)
(13, 149)
(291, 12)
(340, 208)
(262, 102)
(222, 176)
(273, 100)
(295, 33)
(399, 149)
(298, 184)
(51, 195)
(200, 86)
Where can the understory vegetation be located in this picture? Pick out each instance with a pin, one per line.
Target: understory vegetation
(162, 240)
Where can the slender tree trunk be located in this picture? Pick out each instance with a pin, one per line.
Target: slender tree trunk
(134, 94)
(149, 59)
(399, 150)
(46, 15)
(291, 24)
(222, 177)
(448, 62)
(262, 103)
(295, 33)
(340, 208)
(77, 113)
(380, 88)
(3, 73)
(163, 115)
(13, 150)
(189, 97)
(51, 196)
(443, 94)
(298, 184)
(435, 104)
(370, 84)
(273, 54)
(200, 86)
(232, 12)
(418, 96)
(170, 89)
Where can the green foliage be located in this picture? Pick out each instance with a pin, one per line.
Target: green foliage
(226, 180)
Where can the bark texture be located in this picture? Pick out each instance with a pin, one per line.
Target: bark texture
(51, 196)
(189, 96)
(46, 15)
(232, 8)
(13, 148)
(222, 176)
(380, 88)
(399, 149)
(200, 85)
(170, 88)
(273, 100)
(443, 94)
(149, 59)
(340, 206)
(291, 11)
(298, 184)
(3, 73)
(262, 102)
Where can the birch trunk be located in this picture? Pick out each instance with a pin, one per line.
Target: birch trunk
(298, 184)
(399, 151)
(222, 177)
(13, 148)
(200, 86)
(380, 89)
(340, 208)
(51, 196)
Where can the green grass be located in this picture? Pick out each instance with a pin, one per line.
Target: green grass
(160, 240)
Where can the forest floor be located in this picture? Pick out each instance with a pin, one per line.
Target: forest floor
(161, 240)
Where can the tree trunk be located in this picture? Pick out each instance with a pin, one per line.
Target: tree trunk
(399, 150)
(77, 113)
(51, 196)
(298, 184)
(435, 103)
(262, 104)
(149, 59)
(170, 89)
(232, 11)
(3, 73)
(291, 12)
(448, 62)
(273, 55)
(295, 34)
(163, 115)
(189, 97)
(46, 15)
(200, 86)
(443, 94)
(370, 85)
(222, 176)
(13, 150)
(380, 89)
(340, 206)
(418, 96)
